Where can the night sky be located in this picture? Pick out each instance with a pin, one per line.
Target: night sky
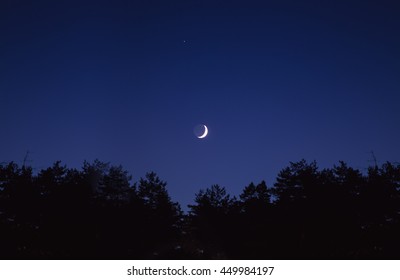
(127, 82)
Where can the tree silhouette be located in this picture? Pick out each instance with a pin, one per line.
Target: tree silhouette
(160, 217)
(298, 192)
(256, 223)
(211, 220)
(98, 213)
(19, 207)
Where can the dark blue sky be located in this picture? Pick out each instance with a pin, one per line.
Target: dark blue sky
(126, 82)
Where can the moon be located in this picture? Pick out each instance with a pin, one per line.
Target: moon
(200, 131)
(205, 132)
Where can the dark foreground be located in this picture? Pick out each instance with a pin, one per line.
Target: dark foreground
(96, 213)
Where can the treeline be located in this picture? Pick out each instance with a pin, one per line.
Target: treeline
(96, 213)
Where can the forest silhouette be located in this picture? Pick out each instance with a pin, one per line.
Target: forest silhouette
(97, 213)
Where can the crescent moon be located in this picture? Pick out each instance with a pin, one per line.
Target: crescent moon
(205, 132)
